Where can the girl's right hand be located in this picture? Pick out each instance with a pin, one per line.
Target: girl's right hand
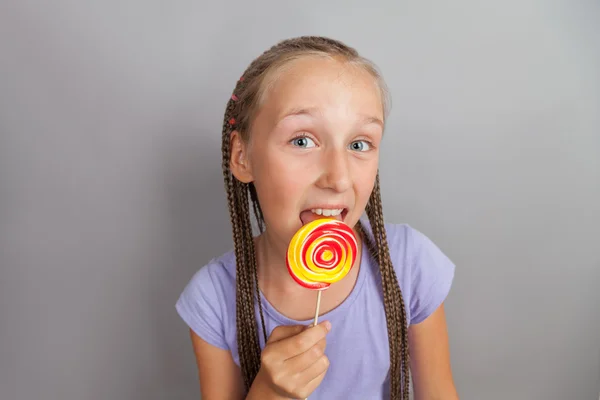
(293, 362)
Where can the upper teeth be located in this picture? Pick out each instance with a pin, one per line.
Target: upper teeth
(327, 212)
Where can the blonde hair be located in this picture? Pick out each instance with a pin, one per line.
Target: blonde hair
(241, 109)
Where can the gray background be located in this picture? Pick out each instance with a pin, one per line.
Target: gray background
(111, 189)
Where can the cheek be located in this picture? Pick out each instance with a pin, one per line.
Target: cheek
(365, 176)
(278, 180)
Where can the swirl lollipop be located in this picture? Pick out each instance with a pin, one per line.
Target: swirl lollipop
(321, 253)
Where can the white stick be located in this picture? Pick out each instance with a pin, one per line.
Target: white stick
(317, 310)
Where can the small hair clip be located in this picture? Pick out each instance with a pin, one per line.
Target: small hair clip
(241, 79)
(234, 97)
(232, 121)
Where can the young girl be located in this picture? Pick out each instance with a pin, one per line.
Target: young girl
(301, 138)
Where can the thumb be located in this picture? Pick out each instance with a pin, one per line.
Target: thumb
(285, 331)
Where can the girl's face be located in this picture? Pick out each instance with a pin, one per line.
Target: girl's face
(314, 145)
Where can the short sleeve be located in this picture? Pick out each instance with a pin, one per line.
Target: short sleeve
(199, 307)
(432, 274)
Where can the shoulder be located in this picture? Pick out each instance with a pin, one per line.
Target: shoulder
(424, 271)
(208, 299)
(410, 243)
(213, 280)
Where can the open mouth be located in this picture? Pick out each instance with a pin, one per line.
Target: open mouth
(313, 214)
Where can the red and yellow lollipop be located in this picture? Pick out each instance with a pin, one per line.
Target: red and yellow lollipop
(321, 253)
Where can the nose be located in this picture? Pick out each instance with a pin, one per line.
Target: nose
(335, 171)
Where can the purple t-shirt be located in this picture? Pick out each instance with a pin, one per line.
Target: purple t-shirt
(357, 346)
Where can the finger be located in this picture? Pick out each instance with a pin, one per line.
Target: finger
(298, 344)
(284, 331)
(311, 336)
(312, 377)
(304, 360)
(322, 344)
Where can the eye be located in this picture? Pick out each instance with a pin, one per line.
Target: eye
(303, 141)
(360, 145)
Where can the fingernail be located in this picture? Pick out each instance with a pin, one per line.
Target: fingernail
(327, 325)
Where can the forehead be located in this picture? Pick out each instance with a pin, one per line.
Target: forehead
(324, 84)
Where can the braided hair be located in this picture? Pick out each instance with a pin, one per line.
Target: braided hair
(241, 108)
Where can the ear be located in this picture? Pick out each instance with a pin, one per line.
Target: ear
(238, 163)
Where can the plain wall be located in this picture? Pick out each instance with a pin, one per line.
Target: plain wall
(111, 192)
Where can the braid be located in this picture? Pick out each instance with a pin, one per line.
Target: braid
(393, 300)
(239, 112)
(246, 272)
(251, 255)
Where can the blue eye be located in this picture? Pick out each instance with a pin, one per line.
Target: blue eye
(360, 145)
(303, 141)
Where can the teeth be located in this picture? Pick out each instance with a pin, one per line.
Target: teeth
(327, 212)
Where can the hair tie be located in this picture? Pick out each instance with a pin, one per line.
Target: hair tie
(232, 121)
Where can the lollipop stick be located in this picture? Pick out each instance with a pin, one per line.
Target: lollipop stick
(318, 305)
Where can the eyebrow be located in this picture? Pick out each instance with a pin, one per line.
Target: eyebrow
(297, 111)
(315, 112)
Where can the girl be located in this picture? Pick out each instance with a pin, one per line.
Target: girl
(301, 139)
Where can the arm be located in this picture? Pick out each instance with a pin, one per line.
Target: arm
(220, 378)
(217, 371)
(430, 359)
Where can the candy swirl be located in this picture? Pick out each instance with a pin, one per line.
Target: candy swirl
(321, 253)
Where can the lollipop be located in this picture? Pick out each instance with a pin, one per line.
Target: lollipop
(321, 253)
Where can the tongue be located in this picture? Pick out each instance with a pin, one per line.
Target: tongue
(308, 216)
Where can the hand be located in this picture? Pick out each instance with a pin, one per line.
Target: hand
(293, 362)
